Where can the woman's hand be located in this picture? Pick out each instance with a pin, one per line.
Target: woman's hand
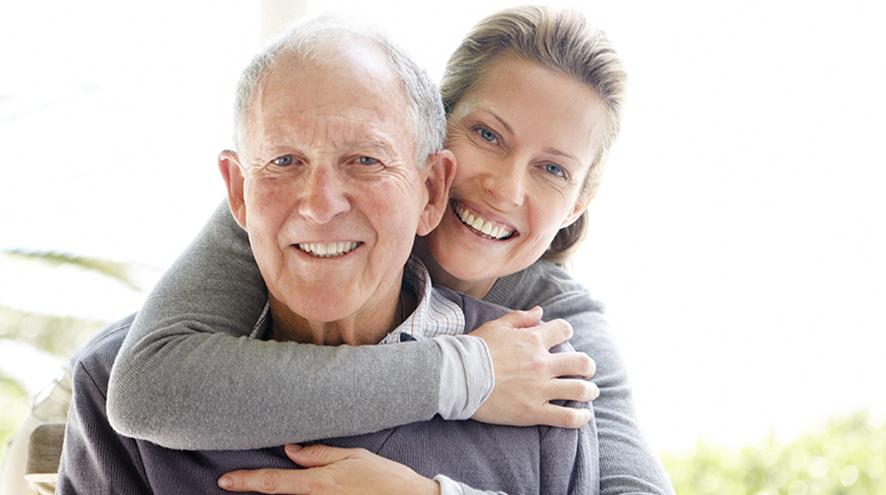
(331, 470)
(527, 374)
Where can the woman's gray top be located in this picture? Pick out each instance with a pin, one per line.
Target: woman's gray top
(189, 342)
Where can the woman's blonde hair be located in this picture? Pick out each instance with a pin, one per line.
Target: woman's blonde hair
(563, 41)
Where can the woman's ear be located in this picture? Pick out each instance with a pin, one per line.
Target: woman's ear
(581, 205)
(439, 174)
(229, 166)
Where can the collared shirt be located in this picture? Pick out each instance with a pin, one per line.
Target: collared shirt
(434, 315)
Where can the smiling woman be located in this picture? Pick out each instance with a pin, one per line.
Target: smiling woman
(517, 172)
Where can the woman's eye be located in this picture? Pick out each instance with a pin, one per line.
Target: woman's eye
(554, 169)
(282, 161)
(487, 135)
(367, 160)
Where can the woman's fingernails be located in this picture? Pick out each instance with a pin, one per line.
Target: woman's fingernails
(225, 482)
(292, 448)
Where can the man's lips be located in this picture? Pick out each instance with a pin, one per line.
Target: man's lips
(328, 249)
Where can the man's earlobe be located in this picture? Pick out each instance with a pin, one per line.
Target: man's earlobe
(229, 166)
(440, 173)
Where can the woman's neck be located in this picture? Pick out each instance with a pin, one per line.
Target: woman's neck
(474, 288)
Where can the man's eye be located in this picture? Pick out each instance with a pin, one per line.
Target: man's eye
(487, 135)
(554, 169)
(367, 160)
(283, 161)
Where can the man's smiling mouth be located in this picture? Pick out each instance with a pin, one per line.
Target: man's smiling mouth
(482, 226)
(328, 249)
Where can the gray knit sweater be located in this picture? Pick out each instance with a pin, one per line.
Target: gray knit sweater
(188, 344)
(480, 456)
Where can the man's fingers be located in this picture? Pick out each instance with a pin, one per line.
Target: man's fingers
(573, 389)
(563, 417)
(572, 364)
(266, 481)
(555, 332)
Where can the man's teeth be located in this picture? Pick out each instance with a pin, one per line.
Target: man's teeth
(329, 249)
(487, 227)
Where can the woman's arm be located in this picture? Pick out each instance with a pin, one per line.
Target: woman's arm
(188, 377)
(341, 471)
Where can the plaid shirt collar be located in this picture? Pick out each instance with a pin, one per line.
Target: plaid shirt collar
(434, 315)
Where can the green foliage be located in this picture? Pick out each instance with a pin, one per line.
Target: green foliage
(59, 335)
(13, 409)
(121, 272)
(847, 457)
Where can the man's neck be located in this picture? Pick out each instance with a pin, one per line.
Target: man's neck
(366, 327)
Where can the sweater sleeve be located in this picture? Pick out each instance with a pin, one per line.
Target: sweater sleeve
(189, 347)
(448, 486)
(627, 464)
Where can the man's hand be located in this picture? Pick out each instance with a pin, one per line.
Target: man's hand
(527, 373)
(331, 470)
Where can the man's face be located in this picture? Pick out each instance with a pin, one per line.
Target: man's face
(331, 197)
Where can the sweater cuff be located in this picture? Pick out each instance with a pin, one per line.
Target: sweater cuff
(448, 486)
(466, 375)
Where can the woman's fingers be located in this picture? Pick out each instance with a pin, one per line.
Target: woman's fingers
(573, 389)
(554, 332)
(290, 481)
(566, 417)
(572, 364)
(526, 374)
(318, 454)
(523, 319)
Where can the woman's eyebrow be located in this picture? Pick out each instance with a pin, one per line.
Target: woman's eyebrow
(555, 151)
(496, 117)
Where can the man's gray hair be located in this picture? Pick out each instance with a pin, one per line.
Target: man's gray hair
(314, 40)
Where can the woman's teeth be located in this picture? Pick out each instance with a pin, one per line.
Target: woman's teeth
(482, 225)
(329, 249)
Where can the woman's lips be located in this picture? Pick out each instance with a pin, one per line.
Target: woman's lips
(481, 225)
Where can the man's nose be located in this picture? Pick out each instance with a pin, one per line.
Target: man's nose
(506, 185)
(323, 197)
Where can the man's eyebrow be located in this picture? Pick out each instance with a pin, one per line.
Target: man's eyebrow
(372, 143)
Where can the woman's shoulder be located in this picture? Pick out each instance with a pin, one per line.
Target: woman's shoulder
(539, 284)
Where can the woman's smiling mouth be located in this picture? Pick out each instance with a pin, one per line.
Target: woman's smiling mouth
(484, 227)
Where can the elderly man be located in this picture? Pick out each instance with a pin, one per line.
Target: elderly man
(338, 169)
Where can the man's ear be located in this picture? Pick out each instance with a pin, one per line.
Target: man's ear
(440, 173)
(229, 166)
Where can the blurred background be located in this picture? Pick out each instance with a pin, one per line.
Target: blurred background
(737, 240)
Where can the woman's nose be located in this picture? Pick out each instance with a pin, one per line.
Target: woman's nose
(506, 186)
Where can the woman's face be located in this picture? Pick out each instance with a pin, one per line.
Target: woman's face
(524, 137)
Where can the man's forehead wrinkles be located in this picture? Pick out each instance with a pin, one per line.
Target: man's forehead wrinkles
(345, 132)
